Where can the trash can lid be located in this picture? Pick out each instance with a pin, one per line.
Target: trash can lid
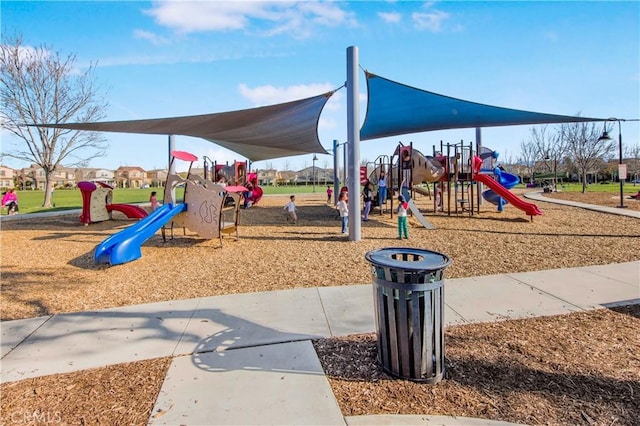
(427, 259)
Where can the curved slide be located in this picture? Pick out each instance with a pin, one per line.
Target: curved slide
(508, 181)
(124, 246)
(517, 202)
(132, 212)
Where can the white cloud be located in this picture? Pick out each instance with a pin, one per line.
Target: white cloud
(27, 54)
(269, 95)
(326, 13)
(260, 17)
(195, 16)
(390, 17)
(431, 21)
(153, 38)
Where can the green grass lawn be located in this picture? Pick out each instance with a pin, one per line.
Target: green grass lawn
(613, 188)
(68, 199)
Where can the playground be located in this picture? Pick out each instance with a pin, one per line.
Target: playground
(50, 263)
(61, 275)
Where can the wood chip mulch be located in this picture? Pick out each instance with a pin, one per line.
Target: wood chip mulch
(581, 368)
(121, 394)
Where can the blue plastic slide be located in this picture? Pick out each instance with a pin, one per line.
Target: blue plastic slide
(505, 179)
(124, 246)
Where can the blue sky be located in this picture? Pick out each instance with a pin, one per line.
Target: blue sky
(166, 59)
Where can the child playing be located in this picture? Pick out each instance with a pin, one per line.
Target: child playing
(403, 227)
(10, 201)
(247, 195)
(343, 208)
(290, 210)
(367, 195)
(153, 199)
(382, 189)
(329, 192)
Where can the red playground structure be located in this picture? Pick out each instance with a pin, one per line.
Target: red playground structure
(97, 206)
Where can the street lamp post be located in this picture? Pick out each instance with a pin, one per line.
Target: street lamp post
(315, 158)
(555, 170)
(621, 176)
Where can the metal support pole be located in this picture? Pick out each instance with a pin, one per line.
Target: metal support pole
(353, 132)
(336, 179)
(172, 147)
(479, 184)
(345, 163)
(313, 176)
(620, 164)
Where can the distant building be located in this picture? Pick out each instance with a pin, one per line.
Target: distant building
(157, 177)
(7, 177)
(95, 175)
(269, 177)
(130, 177)
(62, 177)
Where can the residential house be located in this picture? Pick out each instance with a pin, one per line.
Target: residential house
(95, 175)
(288, 178)
(7, 177)
(315, 175)
(157, 177)
(29, 177)
(268, 177)
(62, 177)
(130, 177)
(33, 177)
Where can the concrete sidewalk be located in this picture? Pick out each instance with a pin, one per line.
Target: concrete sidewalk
(254, 350)
(539, 196)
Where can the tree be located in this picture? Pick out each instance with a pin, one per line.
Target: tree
(584, 147)
(528, 157)
(550, 148)
(38, 86)
(632, 154)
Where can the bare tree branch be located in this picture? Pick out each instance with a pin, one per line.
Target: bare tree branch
(38, 86)
(584, 146)
(528, 157)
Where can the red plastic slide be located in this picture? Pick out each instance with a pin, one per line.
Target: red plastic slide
(257, 194)
(132, 212)
(529, 208)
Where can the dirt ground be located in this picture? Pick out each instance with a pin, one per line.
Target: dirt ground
(47, 267)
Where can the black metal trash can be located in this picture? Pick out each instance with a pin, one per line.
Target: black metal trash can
(408, 296)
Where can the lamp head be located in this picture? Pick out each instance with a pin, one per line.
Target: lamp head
(605, 137)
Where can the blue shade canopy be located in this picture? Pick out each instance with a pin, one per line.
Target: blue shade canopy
(262, 133)
(396, 109)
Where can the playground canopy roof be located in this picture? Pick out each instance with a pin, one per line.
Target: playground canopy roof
(290, 128)
(394, 109)
(258, 134)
